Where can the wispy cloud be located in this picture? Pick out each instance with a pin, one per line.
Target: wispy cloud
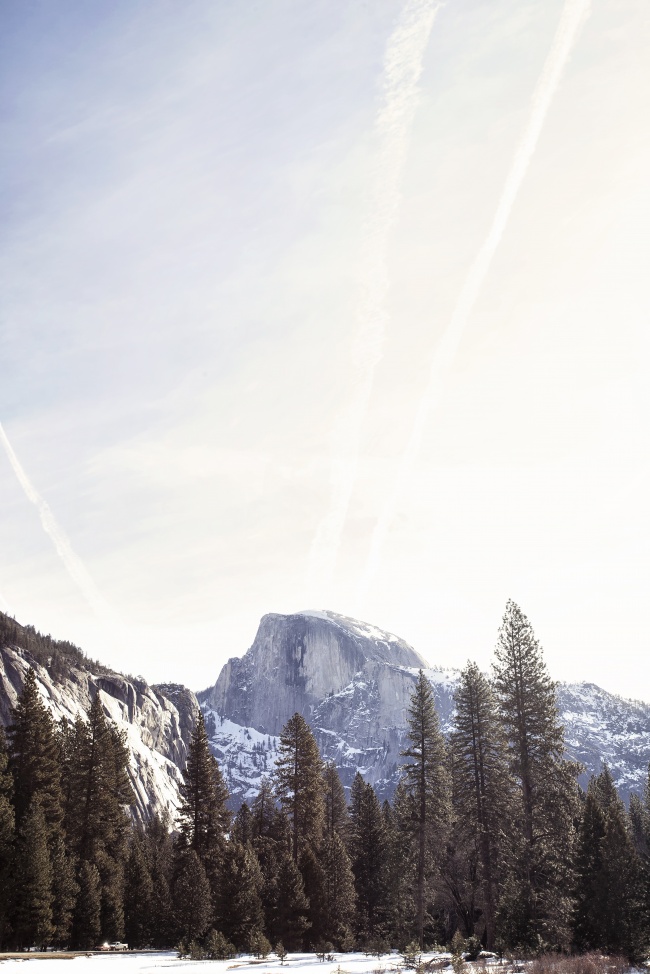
(401, 73)
(572, 18)
(73, 564)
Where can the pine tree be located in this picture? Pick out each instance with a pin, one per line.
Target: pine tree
(338, 892)
(368, 844)
(426, 779)
(138, 896)
(64, 890)
(159, 853)
(482, 790)
(313, 879)
(242, 827)
(86, 927)
(191, 896)
(97, 794)
(299, 784)
(609, 914)
(287, 921)
(7, 823)
(34, 757)
(263, 811)
(590, 896)
(336, 808)
(401, 866)
(537, 909)
(32, 915)
(240, 915)
(204, 818)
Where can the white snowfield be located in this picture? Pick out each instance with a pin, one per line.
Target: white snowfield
(140, 963)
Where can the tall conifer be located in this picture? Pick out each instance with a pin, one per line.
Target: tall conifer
(34, 756)
(426, 779)
(482, 786)
(33, 897)
(368, 844)
(536, 910)
(299, 784)
(204, 818)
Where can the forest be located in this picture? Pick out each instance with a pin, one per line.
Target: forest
(489, 837)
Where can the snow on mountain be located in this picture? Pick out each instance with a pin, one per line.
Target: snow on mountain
(157, 721)
(601, 728)
(352, 682)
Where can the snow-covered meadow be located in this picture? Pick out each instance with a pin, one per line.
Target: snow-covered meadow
(141, 963)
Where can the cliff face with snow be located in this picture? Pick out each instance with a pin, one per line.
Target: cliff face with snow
(352, 682)
(157, 721)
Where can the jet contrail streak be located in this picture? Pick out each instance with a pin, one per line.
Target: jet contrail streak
(401, 74)
(75, 567)
(573, 16)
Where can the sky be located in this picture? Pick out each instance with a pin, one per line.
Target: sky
(339, 305)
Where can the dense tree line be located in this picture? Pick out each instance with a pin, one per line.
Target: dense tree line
(488, 837)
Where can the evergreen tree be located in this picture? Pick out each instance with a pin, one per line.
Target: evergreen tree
(591, 898)
(6, 836)
(159, 853)
(336, 808)
(263, 810)
(609, 914)
(86, 927)
(32, 915)
(204, 818)
(138, 896)
(97, 793)
(426, 779)
(537, 909)
(313, 879)
(34, 757)
(287, 921)
(240, 915)
(242, 828)
(64, 890)
(299, 785)
(338, 893)
(191, 896)
(97, 788)
(401, 866)
(368, 843)
(482, 792)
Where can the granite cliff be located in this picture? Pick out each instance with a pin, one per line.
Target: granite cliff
(157, 720)
(352, 682)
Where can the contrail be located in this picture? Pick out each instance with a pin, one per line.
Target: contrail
(74, 565)
(401, 73)
(574, 13)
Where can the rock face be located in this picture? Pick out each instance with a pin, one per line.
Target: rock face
(157, 721)
(353, 682)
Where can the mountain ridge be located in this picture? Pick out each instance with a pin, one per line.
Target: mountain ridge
(352, 682)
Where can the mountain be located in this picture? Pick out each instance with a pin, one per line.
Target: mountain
(352, 682)
(157, 720)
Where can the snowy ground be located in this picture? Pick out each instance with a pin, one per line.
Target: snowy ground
(168, 960)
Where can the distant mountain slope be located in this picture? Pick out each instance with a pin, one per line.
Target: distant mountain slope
(157, 720)
(352, 682)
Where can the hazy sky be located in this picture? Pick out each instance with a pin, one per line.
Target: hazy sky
(234, 235)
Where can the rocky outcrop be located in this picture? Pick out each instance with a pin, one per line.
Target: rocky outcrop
(353, 682)
(296, 662)
(157, 720)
